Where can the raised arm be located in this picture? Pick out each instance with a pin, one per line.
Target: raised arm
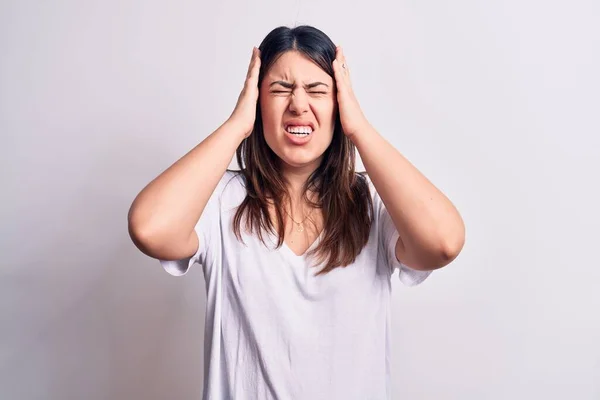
(432, 232)
(162, 217)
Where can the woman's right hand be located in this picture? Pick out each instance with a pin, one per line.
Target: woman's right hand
(244, 114)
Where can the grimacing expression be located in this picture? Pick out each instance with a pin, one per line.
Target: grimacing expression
(298, 108)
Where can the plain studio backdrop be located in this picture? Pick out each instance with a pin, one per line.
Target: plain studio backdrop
(496, 102)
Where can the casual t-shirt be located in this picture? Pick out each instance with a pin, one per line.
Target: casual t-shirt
(274, 330)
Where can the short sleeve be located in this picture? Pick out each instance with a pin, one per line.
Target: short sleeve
(208, 230)
(388, 237)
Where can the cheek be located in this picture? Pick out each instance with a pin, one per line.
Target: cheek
(327, 114)
(271, 107)
(271, 115)
(267, 112)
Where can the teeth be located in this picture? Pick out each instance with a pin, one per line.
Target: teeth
(300, 130)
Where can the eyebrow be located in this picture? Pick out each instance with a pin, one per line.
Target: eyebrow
(290, 86)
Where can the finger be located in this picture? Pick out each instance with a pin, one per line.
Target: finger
(253, 61)
(344, 62)
(339, 75)
(339, 55)
(254, 72)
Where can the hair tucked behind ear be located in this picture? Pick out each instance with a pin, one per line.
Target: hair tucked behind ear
(342, 194)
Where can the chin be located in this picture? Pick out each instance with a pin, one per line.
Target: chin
(300, 160)
(295, 156)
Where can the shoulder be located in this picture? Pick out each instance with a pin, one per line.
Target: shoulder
(364, 181)
(231, 177)
(363, 177)
(231, 189)
(376, 201)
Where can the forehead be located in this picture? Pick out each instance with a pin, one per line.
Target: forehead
(293, 65)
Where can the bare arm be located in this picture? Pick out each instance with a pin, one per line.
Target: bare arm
(432, 232)
(162, 217)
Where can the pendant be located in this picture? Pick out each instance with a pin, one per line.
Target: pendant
(300, 227)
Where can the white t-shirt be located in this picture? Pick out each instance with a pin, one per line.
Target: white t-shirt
(275, 331)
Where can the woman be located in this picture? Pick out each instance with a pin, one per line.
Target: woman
(297, 248)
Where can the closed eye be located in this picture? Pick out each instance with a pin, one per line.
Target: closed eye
(288, 91)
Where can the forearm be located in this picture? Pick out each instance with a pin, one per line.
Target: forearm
(165, 212)
(431, 229)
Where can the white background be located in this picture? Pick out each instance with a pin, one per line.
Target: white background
(496, 102)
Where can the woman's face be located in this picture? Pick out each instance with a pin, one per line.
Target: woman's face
(298, 107)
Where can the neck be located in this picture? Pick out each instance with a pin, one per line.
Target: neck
(296, 178)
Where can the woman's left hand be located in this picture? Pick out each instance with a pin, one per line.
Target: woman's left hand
(351, 116)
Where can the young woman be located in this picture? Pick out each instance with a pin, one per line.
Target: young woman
(297, 248)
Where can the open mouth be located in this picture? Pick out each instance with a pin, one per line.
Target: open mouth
(299, 131)
(299, 135)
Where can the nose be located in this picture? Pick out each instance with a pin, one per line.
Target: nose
(299, 102)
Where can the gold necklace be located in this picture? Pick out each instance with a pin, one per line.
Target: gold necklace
(300, 227)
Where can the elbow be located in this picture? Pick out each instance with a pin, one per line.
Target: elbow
(155, 241)
(447, 246)
(433, 260)
(443, 254)
(452, 246)
(448, 255)
(142, 233)
(139, 234)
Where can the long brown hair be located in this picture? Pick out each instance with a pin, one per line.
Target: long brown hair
(342, 194)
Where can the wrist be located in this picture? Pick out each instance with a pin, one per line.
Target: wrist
(363, 135)
(235, 129)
